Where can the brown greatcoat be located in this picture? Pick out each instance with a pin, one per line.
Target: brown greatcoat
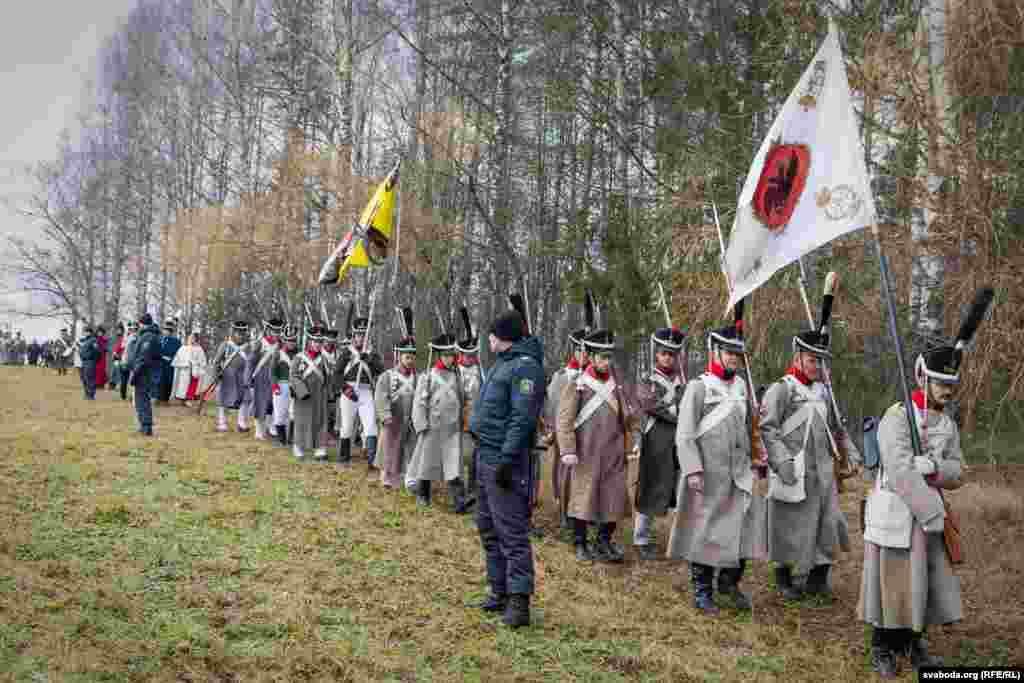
(802, 534)
(551, 403)
(914, 587)
(598, 482)
(725, 523)
(393, 398)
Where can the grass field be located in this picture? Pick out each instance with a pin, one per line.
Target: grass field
(198, 556)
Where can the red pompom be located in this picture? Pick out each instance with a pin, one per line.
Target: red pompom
(739, 325)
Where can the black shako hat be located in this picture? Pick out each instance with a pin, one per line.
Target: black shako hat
(509, 326)
(316, 332)
(942, 364)
(406, 345)
(669, 339)
(601, 340)
(812, 341)
(443, 343)
(359, 326)
(728, 338)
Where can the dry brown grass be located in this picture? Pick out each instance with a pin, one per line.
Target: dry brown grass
(198, 556)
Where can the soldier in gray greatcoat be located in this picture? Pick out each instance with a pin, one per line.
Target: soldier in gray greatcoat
(805, 522)
(307, 383)
(437, 418)
(906, 589)
(260, 355)
(472, 380)
(659, 396)
(719, 522)
(393, 397)
(229, 363)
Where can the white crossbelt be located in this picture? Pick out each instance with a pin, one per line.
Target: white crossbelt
(604, 392)
(725, 397)
(812, 404)
(668, 400)
(402, 385)
(311, 367)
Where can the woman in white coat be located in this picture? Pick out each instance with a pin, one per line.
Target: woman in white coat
(189, 366)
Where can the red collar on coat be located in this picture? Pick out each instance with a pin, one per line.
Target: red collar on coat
(467, 361)
(599, 376)
(918, 398)
(312, 354)
(799, 374)
(573, 364)
(720, 372)
(439, 365)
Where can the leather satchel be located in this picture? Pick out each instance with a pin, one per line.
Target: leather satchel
(951, 535)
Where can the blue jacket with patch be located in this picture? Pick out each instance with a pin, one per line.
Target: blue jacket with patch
(505, 415)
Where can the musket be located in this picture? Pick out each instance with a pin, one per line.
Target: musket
(217, 380)
(755, 433)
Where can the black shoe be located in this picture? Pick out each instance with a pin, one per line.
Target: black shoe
(492, 603)
(584, 553)
(344, 451)
(917, 652)
(703, 589)
(817, 583)
(883, 661)
(784, 584)
(517, 612)
(729, 586)
(606, 551)
(423, 493)
(647, 552)
(457, 492)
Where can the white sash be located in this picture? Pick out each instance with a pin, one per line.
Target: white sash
(795, 493)
(446, 385)
(402, 385)
(812, 404)
(669, 400)
(728, 397)
(311, 367)
(264, 358)
(604, 392)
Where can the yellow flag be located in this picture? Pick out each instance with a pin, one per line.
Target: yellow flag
(369, 242)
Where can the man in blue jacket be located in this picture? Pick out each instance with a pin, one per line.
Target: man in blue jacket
(145, 371)
(504, 422)
(89, 354)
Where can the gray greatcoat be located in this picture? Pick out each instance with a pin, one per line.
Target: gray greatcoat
(598, 481)
(230, 391)
(659, 396)
(914, 587)
(802, 534)
(437, 418)
(471, 384)
(306, 384)
(393, 399)
(260, 356)
(725, 523)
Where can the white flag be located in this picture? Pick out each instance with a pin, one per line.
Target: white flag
(808, 183)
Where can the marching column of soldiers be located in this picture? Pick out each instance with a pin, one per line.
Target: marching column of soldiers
(701, 443)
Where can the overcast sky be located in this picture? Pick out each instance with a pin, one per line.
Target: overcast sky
(47, 54)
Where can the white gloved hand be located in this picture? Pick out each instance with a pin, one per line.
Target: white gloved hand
(923, 465)
(570, 459)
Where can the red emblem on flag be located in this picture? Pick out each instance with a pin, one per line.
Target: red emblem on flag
(781, 183)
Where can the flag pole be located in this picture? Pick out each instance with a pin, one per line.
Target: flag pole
(728, 284)
(887, 297)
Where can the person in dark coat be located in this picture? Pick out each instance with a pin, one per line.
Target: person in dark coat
(660, 395)
(169, 345)
(504, 421)
(88, 354)
(146, 371)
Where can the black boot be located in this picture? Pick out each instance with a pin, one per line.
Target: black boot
(729, 586)
(458, 495)
(423, 493)
(344, 452)
(883, 659)
(517, 612)
(494, 602)
(917, 652)
(291, 433)
(784, 584)
(606, 551)
(817, 583)
(583, 551)
(703, 589)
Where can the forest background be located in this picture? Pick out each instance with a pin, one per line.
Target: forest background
(547, 147)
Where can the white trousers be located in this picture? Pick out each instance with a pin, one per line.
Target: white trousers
(363, 406)
(281, 402)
